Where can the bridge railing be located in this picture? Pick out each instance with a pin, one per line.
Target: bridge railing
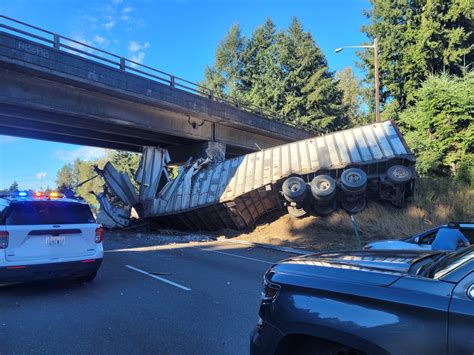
(83, 49)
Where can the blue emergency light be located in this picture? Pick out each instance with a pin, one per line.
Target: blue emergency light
(22, 193)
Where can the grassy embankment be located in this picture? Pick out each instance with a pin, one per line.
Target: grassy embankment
(437, 201)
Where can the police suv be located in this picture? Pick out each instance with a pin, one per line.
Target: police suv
(48, 236)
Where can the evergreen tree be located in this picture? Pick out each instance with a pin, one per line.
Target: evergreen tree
(440, 126)
(224, 76)
(261, 76)
(283, 72)
(311, 94)
(125, 162)
(351, 98)
(417, 39)
(13, 187)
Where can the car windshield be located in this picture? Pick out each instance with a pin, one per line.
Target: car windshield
(452, 261)
(37, 213)
(3, 204)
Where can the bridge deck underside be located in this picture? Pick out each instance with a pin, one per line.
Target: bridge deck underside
(55, 95)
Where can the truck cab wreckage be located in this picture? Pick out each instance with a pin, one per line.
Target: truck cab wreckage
(315, 175)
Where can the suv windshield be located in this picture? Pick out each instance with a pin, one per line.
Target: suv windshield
(453, 261)
(34, 213)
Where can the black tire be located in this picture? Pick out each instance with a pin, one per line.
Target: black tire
(356, 206)
(87, 278)
(297, 212)
(325, 208)
(353, 181)
(294, 189)
(399, 174)
(323, 187)
(321, 348)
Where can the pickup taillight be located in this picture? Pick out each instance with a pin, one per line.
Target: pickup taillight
(99, 235)
(4, 236)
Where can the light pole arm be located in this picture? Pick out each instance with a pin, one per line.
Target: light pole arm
(371, 46)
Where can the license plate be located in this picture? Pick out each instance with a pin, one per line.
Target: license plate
(55, 241)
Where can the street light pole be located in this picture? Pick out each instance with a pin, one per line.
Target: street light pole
(375, 47)
(377, 83)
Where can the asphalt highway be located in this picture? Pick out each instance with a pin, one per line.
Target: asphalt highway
(193, 298)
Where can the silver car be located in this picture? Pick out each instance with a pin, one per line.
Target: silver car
(420, 241)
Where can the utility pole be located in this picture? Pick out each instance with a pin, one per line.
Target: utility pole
(377, 83)
(375, 47)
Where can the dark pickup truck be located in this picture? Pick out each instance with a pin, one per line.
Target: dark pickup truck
(368, 302)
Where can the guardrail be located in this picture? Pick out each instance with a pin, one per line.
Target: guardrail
(73, 46)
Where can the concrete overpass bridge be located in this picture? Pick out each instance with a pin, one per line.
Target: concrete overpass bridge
(55, 88)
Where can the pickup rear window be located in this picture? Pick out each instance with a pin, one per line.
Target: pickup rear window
(34, 213)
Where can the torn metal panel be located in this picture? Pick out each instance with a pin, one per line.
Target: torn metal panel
(111, 217)
(120, 184)
(151, 173)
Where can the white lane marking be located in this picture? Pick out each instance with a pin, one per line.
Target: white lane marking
(271, 247)
(239, 256)
(159, 278)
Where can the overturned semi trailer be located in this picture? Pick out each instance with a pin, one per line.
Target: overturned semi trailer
(317, 175)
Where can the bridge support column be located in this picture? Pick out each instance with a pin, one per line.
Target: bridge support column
(213, 150)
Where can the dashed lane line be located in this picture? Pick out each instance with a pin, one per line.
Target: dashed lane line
(162, 279)
(237, 256)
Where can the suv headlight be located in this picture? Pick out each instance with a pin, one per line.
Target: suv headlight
(270, 291)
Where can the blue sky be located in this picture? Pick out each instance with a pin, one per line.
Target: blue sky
(176, 36)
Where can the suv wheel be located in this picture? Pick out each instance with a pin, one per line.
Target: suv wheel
(323, 348)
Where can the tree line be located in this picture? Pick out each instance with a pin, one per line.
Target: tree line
(426, 50)
(71, 175)
(280, 71)
(13, 187)
(427, 85)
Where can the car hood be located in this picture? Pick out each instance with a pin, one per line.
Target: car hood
(396, 245)
(374, 267)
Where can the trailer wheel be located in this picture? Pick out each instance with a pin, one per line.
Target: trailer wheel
(323, 187)
(355, 206)
(294, 189)
(399, 174)
(296, 212)
(353, 180)
(326, 208)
